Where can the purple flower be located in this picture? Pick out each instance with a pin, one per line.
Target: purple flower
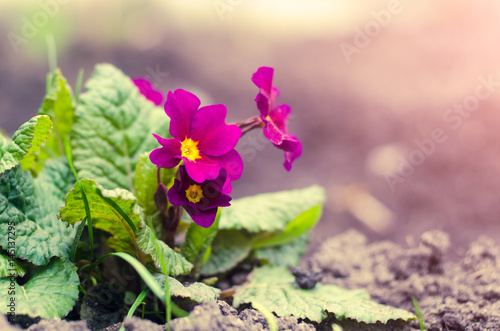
(202, 140)
(200, 200)
(275, 116)
(148, 91)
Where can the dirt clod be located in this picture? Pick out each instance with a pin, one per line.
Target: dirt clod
(59, 325)
(305, 279)
(220, 316)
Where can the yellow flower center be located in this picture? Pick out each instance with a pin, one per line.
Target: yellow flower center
(194, 193)
(189, 149)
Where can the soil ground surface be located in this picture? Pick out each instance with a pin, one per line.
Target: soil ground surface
(454, 292)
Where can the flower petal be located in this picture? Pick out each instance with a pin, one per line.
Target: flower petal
(214, 135)
(168, 155)
(202, 169)
(263, 78)
(262, 104)
(279, 116)
(212, 188)
(222, 200)
(233, 164)
(148, 90)
(175, 194)
(272, 133)
(293, 149)
(180, 107)
(204, 218)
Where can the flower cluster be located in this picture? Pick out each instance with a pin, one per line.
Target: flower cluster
(203, 144)
(275, 117)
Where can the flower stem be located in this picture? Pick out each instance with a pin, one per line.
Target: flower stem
(249, 124)
(170, 217)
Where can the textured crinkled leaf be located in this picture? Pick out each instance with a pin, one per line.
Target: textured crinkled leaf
(197, 292)
(10, 267)
(58, 105)
(104, 216)
(228, 249)
(198, 240)
(286, 255)
(51, 187)
(275, 289)
(270, 212)
(176, 263)
(25, 143)
(4, 142)
(113, 126)
(38, 233)
(50, 293)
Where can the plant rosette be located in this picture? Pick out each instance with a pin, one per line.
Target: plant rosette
(110, 170)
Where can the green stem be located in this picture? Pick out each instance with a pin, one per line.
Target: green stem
(67, 150)
(52, 52)
(74, 246)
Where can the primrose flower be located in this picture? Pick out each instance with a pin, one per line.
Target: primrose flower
(201, 139)
(275, 117)
(200, 200)
(148, 91)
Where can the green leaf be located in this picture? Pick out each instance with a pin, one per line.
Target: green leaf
(50, 189)
(197, 292)
(198, 240)
(50, 293)
(286, 255)
(146, 183)
(25, 143)
(146, 240)
(104, 215)
(274, 288)
(300, 225)
(10, 267)
(228, 249)
(265, 220)
(270, 212)
(4, 142)
(39, 235)
(113, 126)
(110, 210)
(58, 105)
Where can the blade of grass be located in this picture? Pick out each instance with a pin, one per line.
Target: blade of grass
(137, 302)
(270, 318)
(146, 277)
(67, 151)
(168, 306)
(419, 313)
(120, 211)
(74, 246)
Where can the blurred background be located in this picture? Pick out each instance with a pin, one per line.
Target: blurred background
(396, 102)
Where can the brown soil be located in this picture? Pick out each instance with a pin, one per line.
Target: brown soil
(454, 292)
